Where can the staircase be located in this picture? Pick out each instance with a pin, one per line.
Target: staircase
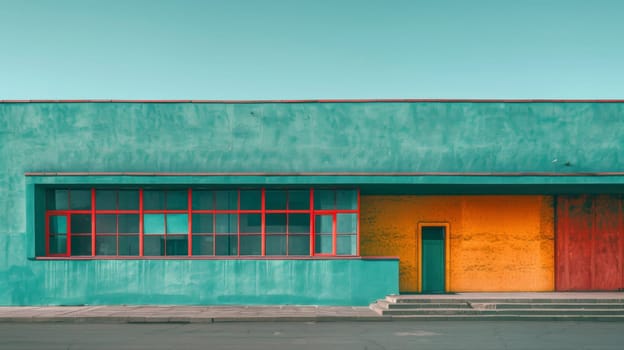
(504, 306)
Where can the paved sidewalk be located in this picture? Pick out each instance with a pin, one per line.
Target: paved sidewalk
(185, 314)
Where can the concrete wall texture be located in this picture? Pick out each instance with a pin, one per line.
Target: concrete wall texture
(497, 243)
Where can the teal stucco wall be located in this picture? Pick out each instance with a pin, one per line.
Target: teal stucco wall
(494, 137)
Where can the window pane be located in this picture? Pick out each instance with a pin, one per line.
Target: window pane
(276, 245)
(299, 223)
(346, 223)
(105, 245)
(105, 200)
(276, 223)
(153, 200)
(251, 200)
(177, 223)
(203, 245)
(323, 244)
(80, 245)
(177, 245)
(226, 245)
(275, 200)
(346, 244)
(80, 199)
(58, 224)
(346, 199)
(105, 223)
(324, 199)
(203, 200)
(129, 245)
(226, 223)
(299, 200)
(128, 200)
(129, 223)
(58, 244)
(177, 200)
(153, 245)
(202, 223)
(299, 244)
(227, 200)
(250, 245)
(81, 223)
(251, 223)
(57, 199)
(323, 224)
(154, 223)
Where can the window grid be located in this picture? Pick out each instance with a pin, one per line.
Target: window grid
(190, 212)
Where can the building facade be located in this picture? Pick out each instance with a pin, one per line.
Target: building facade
(307, 202)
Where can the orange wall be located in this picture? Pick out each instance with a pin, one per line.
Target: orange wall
(497, 243)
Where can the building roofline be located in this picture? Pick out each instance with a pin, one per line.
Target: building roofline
(390, 100)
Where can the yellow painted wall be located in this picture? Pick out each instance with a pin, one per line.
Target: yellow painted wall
(497, 243)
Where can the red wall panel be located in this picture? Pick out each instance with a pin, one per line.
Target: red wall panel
(589, 243)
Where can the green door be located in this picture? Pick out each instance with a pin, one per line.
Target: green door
(433, 259)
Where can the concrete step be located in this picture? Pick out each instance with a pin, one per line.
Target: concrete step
(422, 299)
(505, 305)
(552, 312)
(575, 318)
(388, 305)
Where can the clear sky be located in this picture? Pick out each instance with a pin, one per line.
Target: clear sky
(290, 49)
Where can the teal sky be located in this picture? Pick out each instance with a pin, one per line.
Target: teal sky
(279, 49)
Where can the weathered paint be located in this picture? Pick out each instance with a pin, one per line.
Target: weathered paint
(497, 243)
(590, 242)
(437, 137)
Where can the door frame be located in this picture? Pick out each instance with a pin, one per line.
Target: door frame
(447, 251)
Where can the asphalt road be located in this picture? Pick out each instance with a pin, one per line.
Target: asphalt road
(325, 335)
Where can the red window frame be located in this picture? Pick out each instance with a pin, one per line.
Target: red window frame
(190, 211)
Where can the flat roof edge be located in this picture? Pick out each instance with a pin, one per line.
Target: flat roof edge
(339, 174)
(398, 100)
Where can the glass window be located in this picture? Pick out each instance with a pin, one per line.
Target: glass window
(58, 225)
(275, 245)
(250, 200)
(323, 224)
(81, 223)
(177, 223)
(128, 199)
(203, 245)
(202, 223)
(226, 223)
(324, 199)
(58, 244)
(153, 200)
(346, 223)
(106, 245)
(299, 244)
(57, 199)
(177, 200)
(226, 200)
(346, 244)
(299, 200)
(299, 223)
(346, 199)
(81, 245)
(250, 245)
(154, 224)
(177, 245)
(251, 223)
(129, 223)
(203, 200)
(226, 245)
(80, 199)
(105, 200)
(323, 244)
(129, 245)
(275, 223)
(275, 200)
(154, 245)
(105, 223)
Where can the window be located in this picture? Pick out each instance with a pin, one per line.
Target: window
(197, 222)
